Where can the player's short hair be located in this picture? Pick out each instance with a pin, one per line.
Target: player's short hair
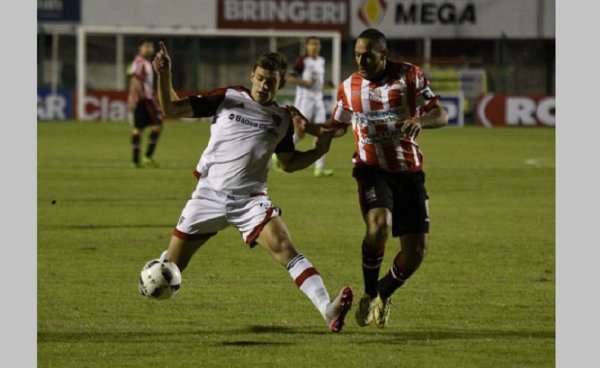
(309, 38)
(143, 41)
(376, 36)
(272, 61)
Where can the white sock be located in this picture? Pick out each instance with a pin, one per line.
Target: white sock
(320, 163)
(309, 281)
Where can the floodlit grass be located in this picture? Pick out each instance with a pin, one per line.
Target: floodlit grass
(484, 296)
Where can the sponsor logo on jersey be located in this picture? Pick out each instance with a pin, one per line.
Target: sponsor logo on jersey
(384, 116)
(375, 95)
(262, 126)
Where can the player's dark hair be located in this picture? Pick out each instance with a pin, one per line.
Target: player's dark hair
(376, 36)
(274, 61)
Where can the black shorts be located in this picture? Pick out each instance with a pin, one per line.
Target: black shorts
(147, 113)
(403, 194)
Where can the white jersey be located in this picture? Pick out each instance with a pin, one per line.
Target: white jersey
(244, 135)
(310, 68)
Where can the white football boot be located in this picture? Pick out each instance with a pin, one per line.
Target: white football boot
(338, 308)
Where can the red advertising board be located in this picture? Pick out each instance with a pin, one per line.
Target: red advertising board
(105, 106)
(504, 110)
(323, 15)
(110, 105)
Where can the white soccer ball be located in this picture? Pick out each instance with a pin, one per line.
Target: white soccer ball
(160, 280)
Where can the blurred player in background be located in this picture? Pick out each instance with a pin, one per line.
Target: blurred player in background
(143, 107)
(247, 128)
(308, 75)
(388, 103)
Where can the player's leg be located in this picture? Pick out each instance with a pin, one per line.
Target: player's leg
(136, 134)
(406, 263)
(201, 218)
(275, 238)
(180, 251)
(154, 115)
(411, 224)
(319, 118)
(375, 199)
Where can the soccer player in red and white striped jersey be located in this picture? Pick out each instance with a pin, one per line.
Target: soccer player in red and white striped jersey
(247, 128)
(142, 103)
(387, 103)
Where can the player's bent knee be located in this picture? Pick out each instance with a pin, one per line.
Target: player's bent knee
(378, 229)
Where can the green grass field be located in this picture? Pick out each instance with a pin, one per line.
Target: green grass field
(484, 296)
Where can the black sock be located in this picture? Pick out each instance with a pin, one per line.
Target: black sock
(395, 278)
(135, 144)
(371, 263)
(152, 143)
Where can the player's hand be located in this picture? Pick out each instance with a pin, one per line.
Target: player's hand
(301, 123)
(162, 60)
(338, 129)
(324, 142)
(411, 127)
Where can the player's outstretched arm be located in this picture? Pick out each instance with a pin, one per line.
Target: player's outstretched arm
(298, 160)
(301, 123)
(172, 105)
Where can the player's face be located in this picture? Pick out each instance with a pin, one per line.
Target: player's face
(265, 84)
(146, 49)
(369, 59)
(313, 47)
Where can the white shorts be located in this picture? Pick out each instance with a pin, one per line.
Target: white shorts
(312, 109)
(211, 211)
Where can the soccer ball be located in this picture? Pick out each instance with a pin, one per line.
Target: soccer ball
(160, 279)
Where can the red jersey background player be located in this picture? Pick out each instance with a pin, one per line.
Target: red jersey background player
(247, 128)
(143, 107)
(387, 103)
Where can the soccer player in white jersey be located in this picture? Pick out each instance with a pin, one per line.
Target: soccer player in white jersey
(247, 128)
(143, 107)
(308, 75)
(387, 103)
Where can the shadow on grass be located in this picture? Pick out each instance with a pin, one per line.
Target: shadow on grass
(150, 336)
(106, 227)
(253, 343)
(367, 336)
(398, 337)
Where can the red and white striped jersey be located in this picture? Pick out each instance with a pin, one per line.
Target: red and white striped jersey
(141, 69)
(376, 109)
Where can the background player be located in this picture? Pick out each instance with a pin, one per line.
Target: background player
(247, 128)
(387, 104)
(143, 107)
(308, 75)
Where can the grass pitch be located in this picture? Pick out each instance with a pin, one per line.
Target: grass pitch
(484, 296)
